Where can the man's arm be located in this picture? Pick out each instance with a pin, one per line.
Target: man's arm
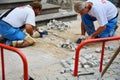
(29, 29)
(97, 32)
(82, 29)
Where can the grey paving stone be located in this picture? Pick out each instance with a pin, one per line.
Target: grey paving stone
(116, 71)
(82, 78)
(109, 78)
(61, 78)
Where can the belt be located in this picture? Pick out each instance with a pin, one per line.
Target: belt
(116, 15)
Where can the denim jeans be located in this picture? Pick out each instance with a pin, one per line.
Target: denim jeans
(11, 33)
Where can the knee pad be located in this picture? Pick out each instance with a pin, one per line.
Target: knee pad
(14, 43)
(29, 39)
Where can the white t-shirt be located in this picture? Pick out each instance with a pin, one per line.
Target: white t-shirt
(103, 10)
(20, 16)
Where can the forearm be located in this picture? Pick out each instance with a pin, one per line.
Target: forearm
(82, 29)
(98, 31)
(29, 29)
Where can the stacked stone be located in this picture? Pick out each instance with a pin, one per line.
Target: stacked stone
(68, 45)
(59, 25)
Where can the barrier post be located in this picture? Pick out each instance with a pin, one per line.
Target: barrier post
(102, 53)
(101, 62)
(3, 64)
(23, 57)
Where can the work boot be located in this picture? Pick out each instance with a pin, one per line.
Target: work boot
(43, 33)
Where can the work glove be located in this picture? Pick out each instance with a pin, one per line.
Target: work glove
(82, 38)
(43, 33)
(37, 34)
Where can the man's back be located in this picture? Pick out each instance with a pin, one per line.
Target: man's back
(103, 11)
(20, 16)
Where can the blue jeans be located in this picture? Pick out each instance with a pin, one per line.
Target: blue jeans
(11, 33)
(90, 29)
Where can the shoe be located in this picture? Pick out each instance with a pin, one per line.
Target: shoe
(43, 33)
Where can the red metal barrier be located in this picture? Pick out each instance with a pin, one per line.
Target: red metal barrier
(25, 63)
(103, 40)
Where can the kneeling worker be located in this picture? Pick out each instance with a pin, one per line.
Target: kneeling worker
(15, 20)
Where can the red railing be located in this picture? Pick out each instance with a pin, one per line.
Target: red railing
(25, 63)
(103, 40)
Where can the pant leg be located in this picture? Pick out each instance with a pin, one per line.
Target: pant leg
(11, 33)
(110, 28)
(88, 23)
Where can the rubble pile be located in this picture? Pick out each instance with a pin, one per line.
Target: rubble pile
(68, 45)
(59, 25)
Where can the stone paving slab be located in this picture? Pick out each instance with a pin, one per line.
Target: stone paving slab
(46, 7)
(61, 16)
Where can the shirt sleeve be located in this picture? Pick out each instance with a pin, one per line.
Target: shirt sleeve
(30, 19)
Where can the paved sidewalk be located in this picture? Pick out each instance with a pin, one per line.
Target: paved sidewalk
(46, 60)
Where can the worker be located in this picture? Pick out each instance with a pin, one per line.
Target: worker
(101, 10)
(15, 20)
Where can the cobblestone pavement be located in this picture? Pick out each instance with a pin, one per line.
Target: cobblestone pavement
(47, 61)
